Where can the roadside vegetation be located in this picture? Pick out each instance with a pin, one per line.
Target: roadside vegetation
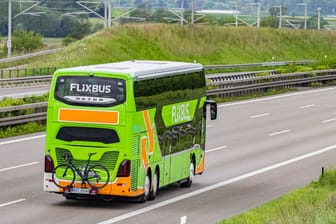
(27, 128)
(313, 204)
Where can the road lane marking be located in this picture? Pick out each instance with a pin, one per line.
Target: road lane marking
(12, 202)
(329, 120)
(217, 185)
(279, 132)
(260, 115)
(307, 106)
(275, 97)
(22, 139)
(209, 126)
(215, 149)
(19, 166)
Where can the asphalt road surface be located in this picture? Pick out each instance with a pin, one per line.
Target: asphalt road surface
(257, 150)
(20, 92)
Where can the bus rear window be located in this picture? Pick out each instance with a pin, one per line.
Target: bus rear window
(103, 135)
(87, 90)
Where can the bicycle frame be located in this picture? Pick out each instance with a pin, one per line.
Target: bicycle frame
(83, 172)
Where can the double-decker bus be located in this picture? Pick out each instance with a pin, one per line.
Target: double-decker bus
(144, 121)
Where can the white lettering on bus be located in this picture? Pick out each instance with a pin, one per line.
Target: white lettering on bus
(89, 88)
(180, 113)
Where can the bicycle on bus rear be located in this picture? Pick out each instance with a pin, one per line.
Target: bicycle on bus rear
(65, 175)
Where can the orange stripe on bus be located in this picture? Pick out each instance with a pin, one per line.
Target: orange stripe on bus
(144, 152)
(200, 167)
(88, 116)
(150, 131)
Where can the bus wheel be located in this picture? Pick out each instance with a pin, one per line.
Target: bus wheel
(155, 184)
(147, 188)
(188, 182)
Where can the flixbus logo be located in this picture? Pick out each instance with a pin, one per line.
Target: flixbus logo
(89, 88)
(179, 113)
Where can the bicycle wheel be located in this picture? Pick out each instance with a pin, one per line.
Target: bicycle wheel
(65, 173)
(98, 176)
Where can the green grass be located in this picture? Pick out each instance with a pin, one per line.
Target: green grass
(313, 204)
(206, 44)
(23, 129)
(27, 128)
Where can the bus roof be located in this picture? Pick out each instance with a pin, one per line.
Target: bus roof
(139, 69)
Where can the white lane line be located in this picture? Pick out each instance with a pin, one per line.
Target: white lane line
(217, 185)
(279, 132)
(12, 202)
(259, 115)
(22, 139)
(209, 126)
(19, 166)
(329, 120)
(276, 97)
(215, 149)
(307, 106)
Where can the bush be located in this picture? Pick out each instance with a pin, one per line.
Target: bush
(26, 41)
(21, 129)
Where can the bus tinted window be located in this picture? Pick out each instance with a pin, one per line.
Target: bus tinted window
(166, 90)
(84, 90)
(103, 135)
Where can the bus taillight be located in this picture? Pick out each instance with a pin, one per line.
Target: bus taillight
(124, 168)
(48, 164)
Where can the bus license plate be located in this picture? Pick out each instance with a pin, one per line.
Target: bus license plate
(80, 190)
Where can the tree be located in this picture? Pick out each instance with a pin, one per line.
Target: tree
(26, 40)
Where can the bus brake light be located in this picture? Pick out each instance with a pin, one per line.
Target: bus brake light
(48, 164)
(124, 168)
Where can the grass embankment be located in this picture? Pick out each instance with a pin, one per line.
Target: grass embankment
(313, 204)
(206, 44)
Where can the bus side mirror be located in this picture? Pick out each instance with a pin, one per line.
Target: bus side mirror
(213, 109)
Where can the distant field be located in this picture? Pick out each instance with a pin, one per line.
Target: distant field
(53, 42)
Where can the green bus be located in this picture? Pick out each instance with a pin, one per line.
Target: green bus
(132, 126)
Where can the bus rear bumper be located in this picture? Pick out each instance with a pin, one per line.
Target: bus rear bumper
(119, 188)
(48, 184)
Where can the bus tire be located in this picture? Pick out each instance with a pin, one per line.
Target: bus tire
(147, 188)
(189, 180)
(154, 188)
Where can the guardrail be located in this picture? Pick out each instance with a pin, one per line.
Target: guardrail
(226, 88)
(26, 72)
(38, 113)
(31, 80)
(262, 84)
(262, 64)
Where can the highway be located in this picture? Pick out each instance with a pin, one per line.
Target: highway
(20, 92)
(257, 150)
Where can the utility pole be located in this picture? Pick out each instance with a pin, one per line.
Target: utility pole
(258, 12)
(319, 18)
(192, 11)
(305, 14)
(258, 16)
(182, 12)
(280, 15)
(109, 20)
(9, 40)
